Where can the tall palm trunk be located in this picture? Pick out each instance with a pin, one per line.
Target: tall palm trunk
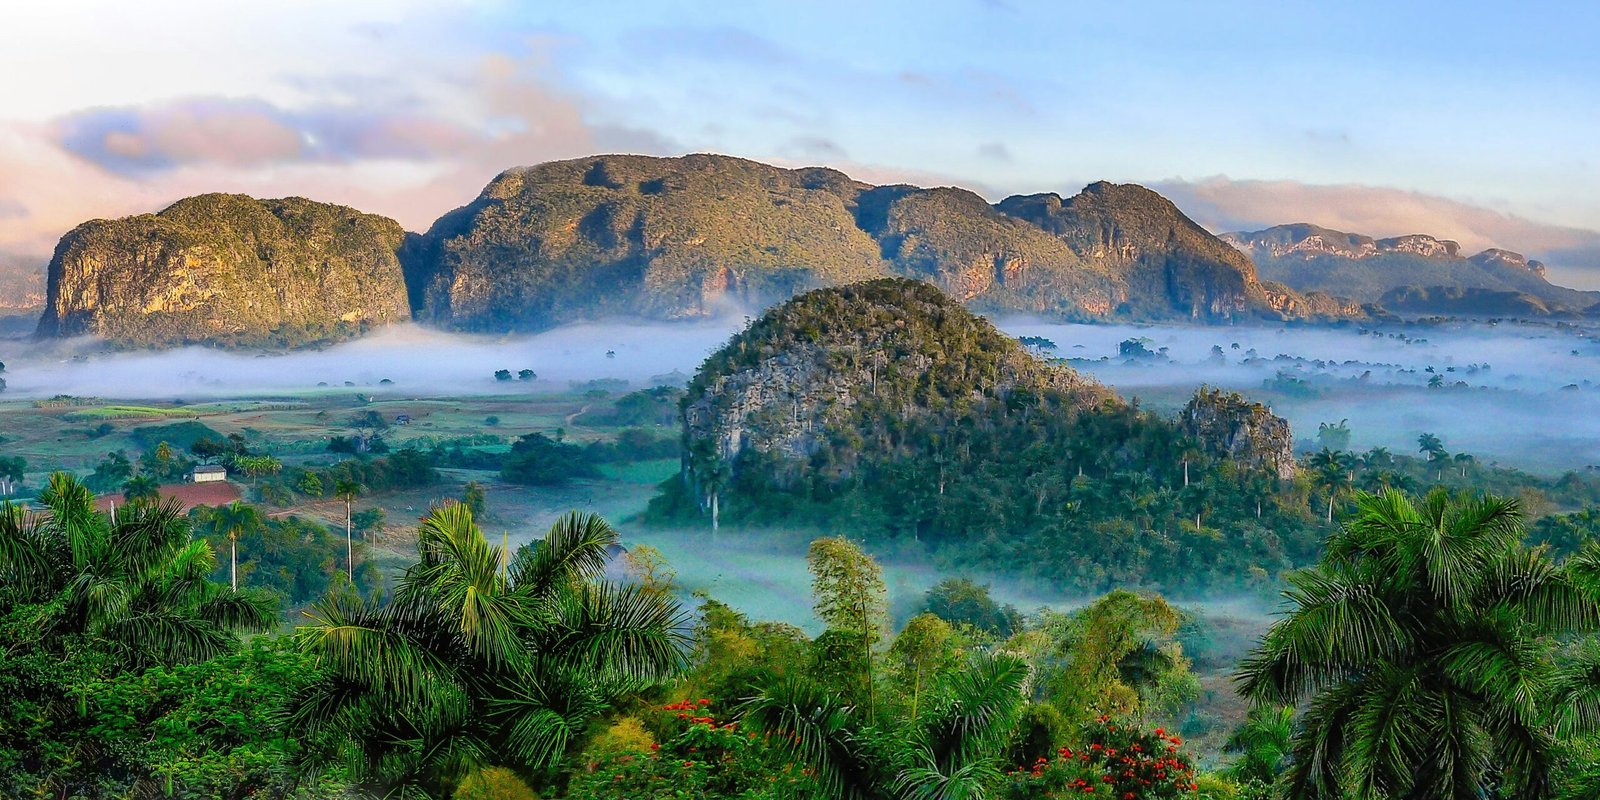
(233, 560)
(715, 514)
(349, 547)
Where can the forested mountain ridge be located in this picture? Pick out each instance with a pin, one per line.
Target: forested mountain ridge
(227, 270)
(1415, 273)
(887, 410)
(680, 237)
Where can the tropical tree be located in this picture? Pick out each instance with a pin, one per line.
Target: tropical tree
(1263, 743)
(1331, 474)
(348, 490)
(234, 520)
(12, 469)
(136, 584)
(1432, 447)
(478, 664)
(256, 466)
(310, 484)
(850, 598)
(951, 749)
(141, 487)
(1423, 642)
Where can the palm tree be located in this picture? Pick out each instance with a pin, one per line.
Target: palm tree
(469, 666)
(137, 583)
(235, 519)
(347, 490)
(140, 487)
(1423, 642)
(1329, 472)
(1263, 744)
(951, 750)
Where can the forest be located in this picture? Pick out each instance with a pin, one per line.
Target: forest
(1430, 649)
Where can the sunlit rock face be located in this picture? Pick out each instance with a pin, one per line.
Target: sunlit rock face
(1229, 426)
(672, 238)
(228, 270)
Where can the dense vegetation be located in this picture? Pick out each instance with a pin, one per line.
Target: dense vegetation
(887, 411)
(128, 672)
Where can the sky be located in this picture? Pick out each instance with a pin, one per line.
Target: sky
(1475, 121)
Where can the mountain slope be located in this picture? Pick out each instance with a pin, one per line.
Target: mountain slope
(230, 270)
(679, 237)
(886, 410)
(1421, 273)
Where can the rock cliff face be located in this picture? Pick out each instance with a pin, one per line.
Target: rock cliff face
(1414, 274)
(681, 237)
(1166, 265)
(1229, 426)
(227, 270)
(791, 384)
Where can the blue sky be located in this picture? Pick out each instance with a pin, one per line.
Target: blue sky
(1469, 120)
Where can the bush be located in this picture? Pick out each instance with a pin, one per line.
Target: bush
(538, 460)
(494, 783)
(1118, 759)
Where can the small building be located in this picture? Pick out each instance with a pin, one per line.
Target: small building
(208, 473)
(403, 419)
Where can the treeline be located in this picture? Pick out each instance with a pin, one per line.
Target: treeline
(1401, 669)
(1090, 500)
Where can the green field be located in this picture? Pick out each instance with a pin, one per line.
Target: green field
(103, 413)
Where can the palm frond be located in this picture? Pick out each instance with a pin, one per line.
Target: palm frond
(816, 728)
(574, 550)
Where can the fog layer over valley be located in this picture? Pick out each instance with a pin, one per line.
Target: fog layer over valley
(1523, 394)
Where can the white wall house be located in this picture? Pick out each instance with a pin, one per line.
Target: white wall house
(209, 473)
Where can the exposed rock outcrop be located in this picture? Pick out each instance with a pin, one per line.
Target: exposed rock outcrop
(1229, 426)
(683, 237)
(227, 270)
(1413, 274)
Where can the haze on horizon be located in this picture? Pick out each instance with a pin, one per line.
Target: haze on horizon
(1474, 124)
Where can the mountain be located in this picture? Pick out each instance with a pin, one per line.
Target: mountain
(886, 409)
(682, 237)
(228, 270)
(1414, 274)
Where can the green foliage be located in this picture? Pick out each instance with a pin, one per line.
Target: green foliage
(297, 559)
(538, 460)
(110, 474)
(475, 664)
(1117, 758)
(1424, 642)
(1118, 656)
(700, 754)
(472, 497)
(114, 646)
(961, 601)
(956, 439)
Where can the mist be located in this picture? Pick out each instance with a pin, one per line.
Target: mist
(1530, 397)
(418, 362)
(1521, 394)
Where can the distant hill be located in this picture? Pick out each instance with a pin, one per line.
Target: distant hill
(681, 237)
(228, 270)
(1416, 273)
(886, 410)
(641, 237)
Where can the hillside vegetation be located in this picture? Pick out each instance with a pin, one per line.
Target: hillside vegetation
(682, 237)
(888, 411)
(228, 270)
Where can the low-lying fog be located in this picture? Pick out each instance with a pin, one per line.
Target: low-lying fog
(1525, 395)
